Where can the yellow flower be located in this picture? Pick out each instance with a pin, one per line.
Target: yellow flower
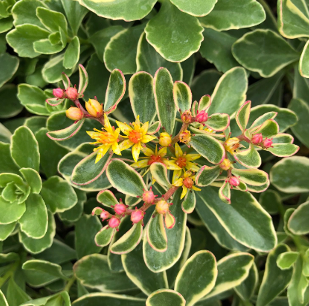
(187, 182)
(137, 135)
(184, 161)
(108, 138)
(232, 144)
(155, 156)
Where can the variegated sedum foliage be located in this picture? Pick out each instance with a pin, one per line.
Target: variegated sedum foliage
(147, 152)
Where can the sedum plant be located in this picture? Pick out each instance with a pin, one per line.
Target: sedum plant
(154, 152)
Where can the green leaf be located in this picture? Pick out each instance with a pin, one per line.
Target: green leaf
(58, 195)
(9, 65)
(32, 178)
(7, 164)
(254, 226)
(15, 295)
(208, 147)
(135, 268)
(6, 230)
(293, 18)
(33, 98)
(35, 208)
(66, 133)
(197, 8)
(159, 173)
(163, 90)
(249, 158)
(107, 198)
(232, 271)
(8, 93)
(304, 61)
(182, 96)
(239, 14)
(21, 39)
(271, 201)
(25, 156)
(3, 301)
(289, 175)
(156, 233)
(36, 246)
(52, 20)
(297, 223)
(269, 128)
(230, 92)
(266, 52)
(104, 236)
(88, 271)
(193, 285)
(157, 261)
(300, 129)
(71, 55)
(115, 90)
(149, 60)
(141, 93)
(125, 179)
(127, 10)
(218, 122)
(177, 37)
(225, 192)
(129, 240)
(127, 41)
(165, 297)
(242, 116)
(44, 46)
(109, 298)
(274, 280)
(222, 41)
(74, 13)
(284, 150)
(189, 203)
(207, 175)
(87, 171)
(85, 230)
(286, 260)
(253, 177)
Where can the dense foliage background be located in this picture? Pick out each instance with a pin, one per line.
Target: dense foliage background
(250, 50)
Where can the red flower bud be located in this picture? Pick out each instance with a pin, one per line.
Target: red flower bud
(120, 208)
(234, 181)
(148, 196)
(72, 93)
(188, 182)
(58, 93)
(267, 143)
(113, 222)
(201, 117)
(257, 138)
(104, 215)
(137, 215)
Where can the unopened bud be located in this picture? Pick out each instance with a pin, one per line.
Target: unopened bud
(113, 222)
(94, 108)
(71, 93)
(162, 207)
(104, 215)
(165, 139)
(185, 136)
(232, 144)
(188, 182)
(148, 197)
(257, 138)
(234, 181)
(137, 215)
(186, 117)
(120, 208)
(58, 93)
(225, 165)
(74, 113)
(267, 143)
(201, 117)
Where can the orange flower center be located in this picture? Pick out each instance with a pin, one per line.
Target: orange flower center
(181, 162)
(154, 158)
(188, 182)
(135, 136)
(108, 138)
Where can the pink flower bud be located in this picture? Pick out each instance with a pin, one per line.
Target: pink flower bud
(113, 222)
(104, 215)
(120, 208)
(257, 138)
(148, 196)
(72, 93)
(137, 215)
(234, 181)
(201, 117)
(267, 143)
(58, 93)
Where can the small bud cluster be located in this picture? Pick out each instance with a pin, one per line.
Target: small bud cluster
(258, 140)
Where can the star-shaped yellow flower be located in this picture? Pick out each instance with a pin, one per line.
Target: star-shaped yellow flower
(187, 182)
(137, 135)
(184, 161)
(108, 138)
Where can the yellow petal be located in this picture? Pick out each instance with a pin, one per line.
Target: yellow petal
(178, 183)
(101, 151)
(162, 152)
(184, 192)
(147, 138)
(107, 124)
(116, 148)
(147, 151)
(170, 164)
(191, 157)
(144, 127)
(193, 167)
(126, 144)
(178, 151)
(125, 129)
(136, 149)
(196, 189)
(140, 164)
(176, 175)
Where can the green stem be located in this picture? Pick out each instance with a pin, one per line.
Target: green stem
(69, 284)
(8, 274)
